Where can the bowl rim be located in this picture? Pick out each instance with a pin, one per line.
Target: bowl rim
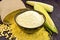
(27, 9)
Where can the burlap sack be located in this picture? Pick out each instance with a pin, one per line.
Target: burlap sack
(8, 6)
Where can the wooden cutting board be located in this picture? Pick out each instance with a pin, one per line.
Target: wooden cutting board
(8, 6)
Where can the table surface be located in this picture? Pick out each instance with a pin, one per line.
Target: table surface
(55, 15)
